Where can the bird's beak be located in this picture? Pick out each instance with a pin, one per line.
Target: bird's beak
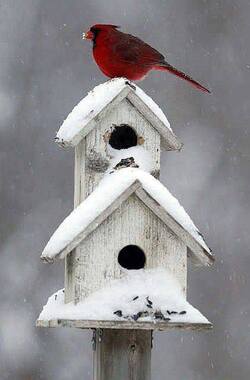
(88, 35)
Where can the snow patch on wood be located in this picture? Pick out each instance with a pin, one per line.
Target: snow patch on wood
(141, 295)
(141, 157)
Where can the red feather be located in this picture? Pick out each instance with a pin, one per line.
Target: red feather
(122, 55)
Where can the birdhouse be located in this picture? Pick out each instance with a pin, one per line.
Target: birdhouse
(127, 242)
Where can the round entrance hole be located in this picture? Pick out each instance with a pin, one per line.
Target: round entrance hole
(131, 257)
(123, 137)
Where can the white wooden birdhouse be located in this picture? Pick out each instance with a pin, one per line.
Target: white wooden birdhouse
(127, 241)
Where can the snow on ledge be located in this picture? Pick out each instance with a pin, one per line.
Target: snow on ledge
(108, 190)
(96, 100)
(141, 295)
(141, 156)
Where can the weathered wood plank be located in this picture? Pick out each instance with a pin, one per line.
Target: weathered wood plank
(79, 177)
(169, 139)
(79, 196)
(196, 249)
(91, 324)
(122, 355)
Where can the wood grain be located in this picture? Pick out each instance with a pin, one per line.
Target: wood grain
(122, 355)
(126, 113)
(158, 326)
(128, 221)
(199, 254)
(168, 139)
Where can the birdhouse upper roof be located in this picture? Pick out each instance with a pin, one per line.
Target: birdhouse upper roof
(101, 100)
(111, 192)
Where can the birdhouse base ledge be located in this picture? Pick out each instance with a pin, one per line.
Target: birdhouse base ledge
(124, 325)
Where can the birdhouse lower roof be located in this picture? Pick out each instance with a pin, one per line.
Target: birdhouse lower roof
(143, 296)
(114, 189)
(101, 100)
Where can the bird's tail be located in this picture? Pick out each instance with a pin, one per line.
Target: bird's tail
(167, 67)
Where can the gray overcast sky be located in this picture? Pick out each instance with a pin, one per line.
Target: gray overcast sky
(45, 69)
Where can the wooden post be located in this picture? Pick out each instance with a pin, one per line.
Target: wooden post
(122, 354)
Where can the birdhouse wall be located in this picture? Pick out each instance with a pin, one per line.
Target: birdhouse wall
(95, 261)
(87, 178)
(96, 146)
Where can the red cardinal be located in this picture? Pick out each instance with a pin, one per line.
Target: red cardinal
(123, 55)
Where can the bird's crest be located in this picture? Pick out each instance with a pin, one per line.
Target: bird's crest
(104, 26)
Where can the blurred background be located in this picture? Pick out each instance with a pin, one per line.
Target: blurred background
(45, 69)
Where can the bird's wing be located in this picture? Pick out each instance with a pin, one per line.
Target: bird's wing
(131, 49)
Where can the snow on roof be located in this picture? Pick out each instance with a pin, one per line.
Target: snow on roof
(109, 189)
(140, 295)
(81, 120)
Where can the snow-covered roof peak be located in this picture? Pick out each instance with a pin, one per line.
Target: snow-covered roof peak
(93, 107)
(112, 188)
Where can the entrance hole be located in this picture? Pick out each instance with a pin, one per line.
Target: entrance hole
(123, 137)
(132, 257)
